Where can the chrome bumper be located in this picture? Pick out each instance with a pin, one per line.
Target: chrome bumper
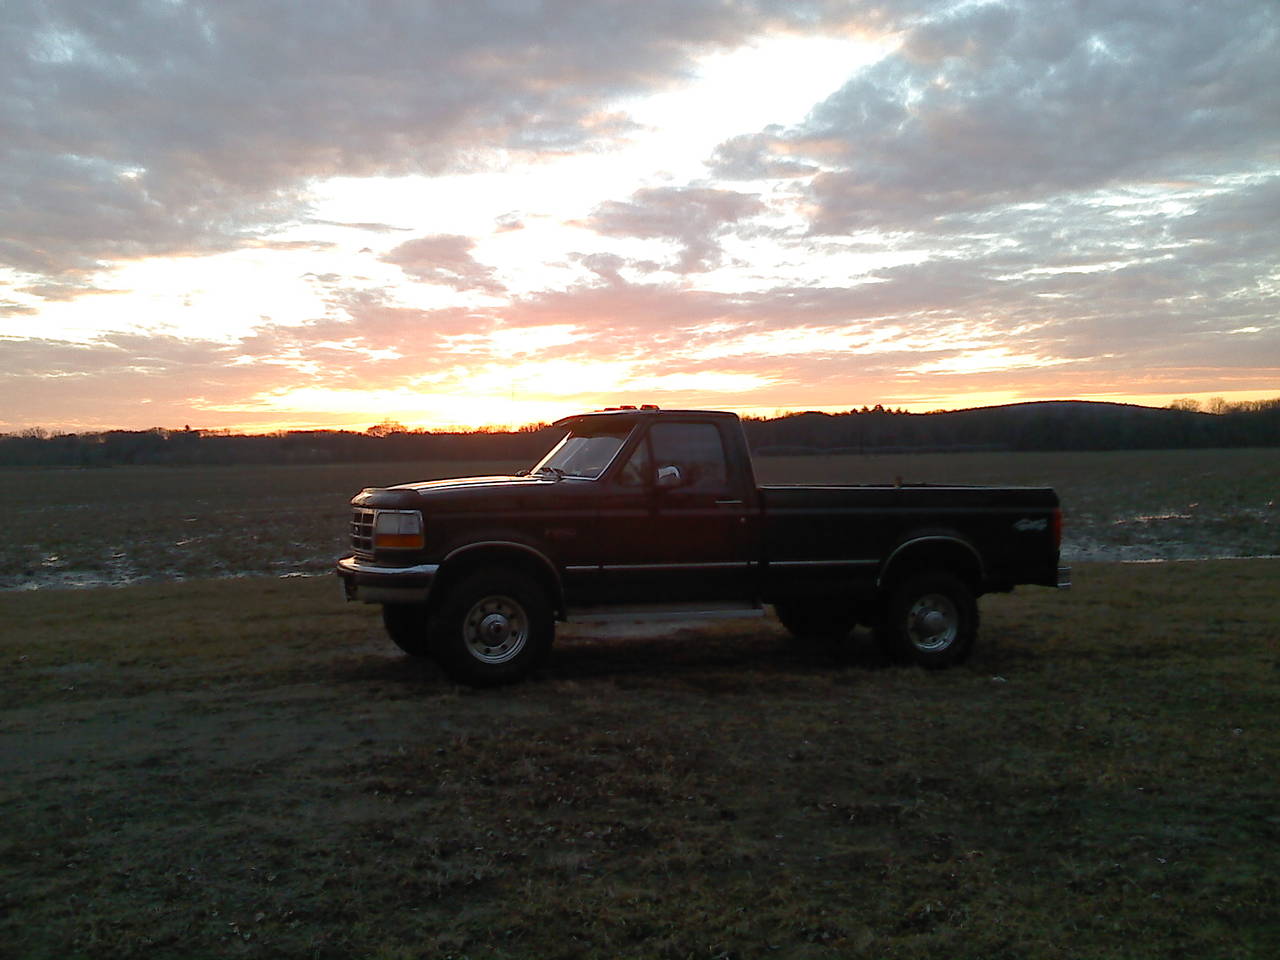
(1064, 578)
(367, 582)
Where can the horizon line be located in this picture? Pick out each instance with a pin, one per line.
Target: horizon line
(779, 413)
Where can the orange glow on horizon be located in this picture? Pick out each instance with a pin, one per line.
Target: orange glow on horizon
(501, 415)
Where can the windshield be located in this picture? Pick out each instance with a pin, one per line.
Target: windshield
(586, 451)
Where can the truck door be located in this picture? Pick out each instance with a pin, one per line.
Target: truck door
(673, 523)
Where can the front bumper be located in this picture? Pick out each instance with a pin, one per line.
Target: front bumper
(367, 582)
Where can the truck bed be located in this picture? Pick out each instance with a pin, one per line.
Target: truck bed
(861, 525)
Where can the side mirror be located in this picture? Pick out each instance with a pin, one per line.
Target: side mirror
(669, 478)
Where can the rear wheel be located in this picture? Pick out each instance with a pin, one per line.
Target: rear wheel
(406, 624)
(930, 619)
(493, 628)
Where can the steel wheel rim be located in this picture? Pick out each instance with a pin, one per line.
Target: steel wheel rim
(933, 622)
(495, 629)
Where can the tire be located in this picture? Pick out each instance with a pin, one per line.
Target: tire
(493, 628)
(817, 621)
(930, 619)
(406, 625)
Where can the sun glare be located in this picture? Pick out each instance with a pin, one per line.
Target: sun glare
(489, 394)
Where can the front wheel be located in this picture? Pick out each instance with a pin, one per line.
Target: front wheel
(930, 619)
(493, 628)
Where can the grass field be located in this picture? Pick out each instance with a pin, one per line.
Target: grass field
(248, 769)
(131, 524)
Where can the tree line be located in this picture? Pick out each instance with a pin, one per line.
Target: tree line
(1049, 425)
(1052, 425)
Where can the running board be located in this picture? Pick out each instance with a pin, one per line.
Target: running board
(679, 611)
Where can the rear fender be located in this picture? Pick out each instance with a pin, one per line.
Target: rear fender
(942, 550)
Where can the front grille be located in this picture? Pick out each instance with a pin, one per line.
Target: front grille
(362, 531)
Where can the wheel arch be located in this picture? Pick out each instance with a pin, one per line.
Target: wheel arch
(466, 560)
(933, 551)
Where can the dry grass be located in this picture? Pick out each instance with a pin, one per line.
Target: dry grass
(249, 769)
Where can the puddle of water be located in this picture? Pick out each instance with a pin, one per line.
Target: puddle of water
(1152, 518)
(1200, 559)
(98, 579)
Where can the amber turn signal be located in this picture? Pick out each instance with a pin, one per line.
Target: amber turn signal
(398, 530)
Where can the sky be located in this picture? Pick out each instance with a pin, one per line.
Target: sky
(261, 215)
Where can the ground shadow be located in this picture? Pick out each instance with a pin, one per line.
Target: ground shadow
(689, 652)
(713, 656)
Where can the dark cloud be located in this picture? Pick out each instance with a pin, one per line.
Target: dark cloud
(1230, 225)
(1091, 183)
(694, 217)
(992, 104)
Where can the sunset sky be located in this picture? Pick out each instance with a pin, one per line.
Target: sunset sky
(264, 215)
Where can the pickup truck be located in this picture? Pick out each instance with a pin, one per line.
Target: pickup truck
(645, 512)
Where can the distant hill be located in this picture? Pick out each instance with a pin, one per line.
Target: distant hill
(1044, 425)
(1047, 425)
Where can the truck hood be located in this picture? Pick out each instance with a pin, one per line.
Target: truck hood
(428, 486)
(410, 496)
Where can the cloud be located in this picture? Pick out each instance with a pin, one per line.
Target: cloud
(137, 128)
(1092, 183)
(446, 260)
(694, 217)
(64, 291)
(932, 329)
(368, 227)
(760, 156)
(992, 104)
(509, 223)
(1228, 226)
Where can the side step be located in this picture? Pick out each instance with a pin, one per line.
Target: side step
(607, 613)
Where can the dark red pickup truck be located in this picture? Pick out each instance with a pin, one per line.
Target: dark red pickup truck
(641, 512)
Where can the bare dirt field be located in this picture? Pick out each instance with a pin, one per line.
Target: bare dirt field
(142, 524)
(247, 768)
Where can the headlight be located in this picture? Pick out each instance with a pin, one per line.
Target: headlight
(398, 530)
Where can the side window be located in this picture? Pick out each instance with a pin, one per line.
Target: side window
(635, 472)
(696, 449)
